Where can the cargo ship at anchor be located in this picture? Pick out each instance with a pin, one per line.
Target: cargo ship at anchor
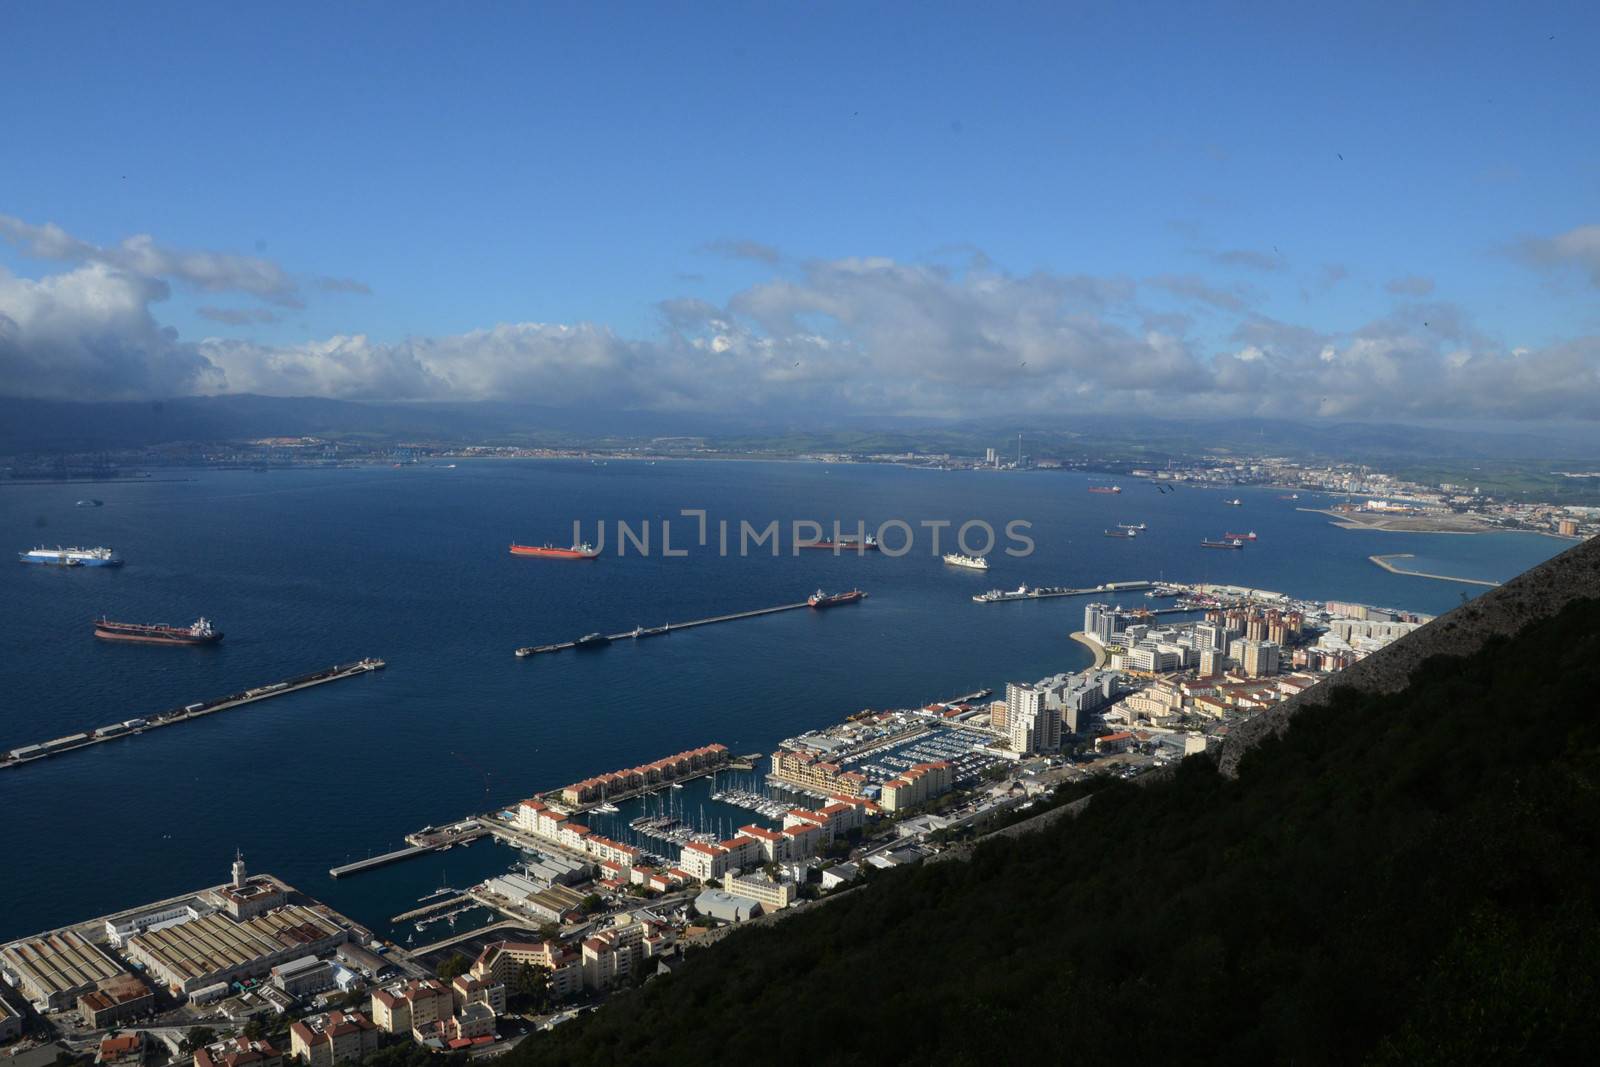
(199, 632)
(1105, 489)
(1251, 536)
(820, 600)
(1231, 543)
(1122, 533)
(581, 550)
(71, 557)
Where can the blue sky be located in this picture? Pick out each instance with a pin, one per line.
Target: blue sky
(480, 165)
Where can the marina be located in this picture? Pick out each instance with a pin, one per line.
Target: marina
(656, 631)
(72, 742)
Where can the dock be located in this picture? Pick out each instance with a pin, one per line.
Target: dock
(428, 909)
(656, 631)
(72, 742)
(427, 840)
(1048, 591)
(372, 862)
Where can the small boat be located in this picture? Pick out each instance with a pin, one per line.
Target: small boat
(90, 503)
(1235, 502)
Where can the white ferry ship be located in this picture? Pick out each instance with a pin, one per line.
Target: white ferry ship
(71, 557)
(977, 563)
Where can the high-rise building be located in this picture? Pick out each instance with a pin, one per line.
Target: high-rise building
(1031, 725)
(1260, 658)
(1211, 635)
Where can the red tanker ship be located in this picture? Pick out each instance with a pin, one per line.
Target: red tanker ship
(582, 550)
(200, 632)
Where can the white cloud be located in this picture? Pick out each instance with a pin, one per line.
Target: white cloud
(863, 334)
(214, 272)
(89, 334)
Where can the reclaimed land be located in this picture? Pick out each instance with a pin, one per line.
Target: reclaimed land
(1400, 875)
(1366, 520)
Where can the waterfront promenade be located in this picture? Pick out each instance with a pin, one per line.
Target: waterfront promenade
(1099, 650)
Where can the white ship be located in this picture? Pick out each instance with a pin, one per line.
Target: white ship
(956, 559)
(1021, 592)
(72, 557)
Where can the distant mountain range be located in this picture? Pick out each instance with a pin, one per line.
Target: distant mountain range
(45, 426)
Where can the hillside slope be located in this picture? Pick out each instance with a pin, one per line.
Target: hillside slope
(1398, 877)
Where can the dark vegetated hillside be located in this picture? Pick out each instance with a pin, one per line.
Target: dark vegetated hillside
(1398, 879)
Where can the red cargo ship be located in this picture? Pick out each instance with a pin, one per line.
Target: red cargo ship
(819, 599)
(1105, 489)
(582, 550)
(199, 632)
(1251, 536)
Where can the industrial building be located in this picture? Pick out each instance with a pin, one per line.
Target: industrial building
(115, 1000)
(53, 970)
(119, 929)
(556, 904)
(10, 1014)
(719, 904)
(215, 948)
(302, 977)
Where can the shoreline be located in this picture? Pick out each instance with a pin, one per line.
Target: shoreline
(1383, 561)
(1099, 650)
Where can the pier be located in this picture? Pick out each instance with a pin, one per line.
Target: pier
(1384, 562)
(384, 860)
(1048, 591)
(72, 742)
(426, 840)
(455, 900)
(659, 631)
